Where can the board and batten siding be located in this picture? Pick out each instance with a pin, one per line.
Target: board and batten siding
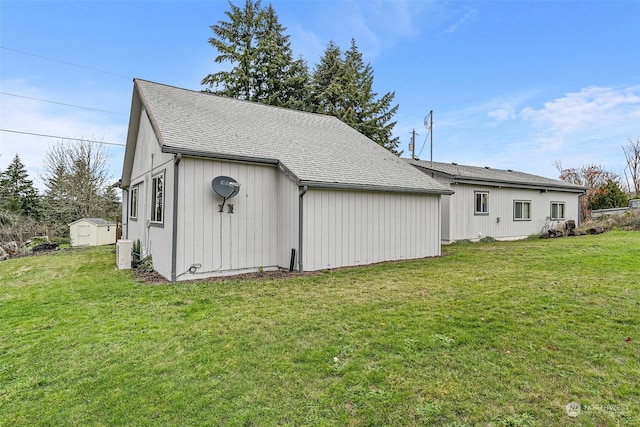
(288, 214)
(347, 228)
(151, 161)
(465, 224)
(224, 242)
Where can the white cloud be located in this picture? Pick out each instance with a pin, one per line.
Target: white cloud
(460, 20)
(594, 108)
(502, 114)
(375, 25)
(579, 128)
(36, 117)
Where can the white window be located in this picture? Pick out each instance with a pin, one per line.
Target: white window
(157, 198)
(522, 210)
(557, 210)
(481, 203)
(133, 203)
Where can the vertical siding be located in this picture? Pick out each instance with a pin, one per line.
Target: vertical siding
(149, 160)
(466, 225)
(343, 228)
(224, 242)
(287, 218)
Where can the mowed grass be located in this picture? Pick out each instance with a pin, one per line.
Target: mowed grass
(493, 334)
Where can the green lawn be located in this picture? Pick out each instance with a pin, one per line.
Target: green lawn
(493, 334)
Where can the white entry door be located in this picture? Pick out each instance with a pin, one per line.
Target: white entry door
(84, 234)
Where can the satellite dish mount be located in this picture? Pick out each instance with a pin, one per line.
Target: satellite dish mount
(226, 188)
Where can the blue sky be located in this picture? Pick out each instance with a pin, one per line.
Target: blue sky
(513, 84)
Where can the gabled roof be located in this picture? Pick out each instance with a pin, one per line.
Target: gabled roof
(489, 176)
(95, 221)
(317, 150)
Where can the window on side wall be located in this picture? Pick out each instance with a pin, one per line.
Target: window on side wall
(481, 203)
(133, 203)
(557, 210)
(522, 210)
(157, 198)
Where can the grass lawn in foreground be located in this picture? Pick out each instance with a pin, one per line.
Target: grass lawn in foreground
(492, 334)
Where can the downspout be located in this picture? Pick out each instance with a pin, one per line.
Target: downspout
(303, 191)
(174, 232)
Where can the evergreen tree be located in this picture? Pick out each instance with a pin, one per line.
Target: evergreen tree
(17, 193)
(608, 196)
(327, 92)
(264, 70)
(342, 86)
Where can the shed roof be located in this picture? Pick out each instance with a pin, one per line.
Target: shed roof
(491, 176)
(317, 150)
(94, 221)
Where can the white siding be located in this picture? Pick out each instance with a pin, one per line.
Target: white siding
(149, 160)
(224, 242)
(86, 233)
(288, 213)
(464, 224)
(345, 228)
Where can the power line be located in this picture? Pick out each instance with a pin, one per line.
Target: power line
(62, 103)
(64, 62)
(62, 137)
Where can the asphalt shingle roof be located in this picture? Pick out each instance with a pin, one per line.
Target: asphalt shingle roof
(95, 221)
(317, 149)
(498, 176)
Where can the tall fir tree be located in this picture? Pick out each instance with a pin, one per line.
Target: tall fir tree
(342, 86)
(264, 70)
(17, 193)
(327, 83)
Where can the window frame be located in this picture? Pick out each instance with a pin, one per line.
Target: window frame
(134, 193)
(157, 218)
(515, 210)
(477, 194)
(564, 211)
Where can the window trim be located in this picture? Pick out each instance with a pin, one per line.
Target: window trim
(564, 211)
(475, 203)
(134, 195)
(154, 204)
(515, 202)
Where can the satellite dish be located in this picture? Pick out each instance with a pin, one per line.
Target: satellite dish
(225, 187)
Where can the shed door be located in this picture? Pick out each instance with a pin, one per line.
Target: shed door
(84, 232)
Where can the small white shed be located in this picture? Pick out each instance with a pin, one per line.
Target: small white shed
(92, 232)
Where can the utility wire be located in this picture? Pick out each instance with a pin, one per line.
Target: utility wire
(61, 103)
(65, 62)
(424, 143)
(63, 137)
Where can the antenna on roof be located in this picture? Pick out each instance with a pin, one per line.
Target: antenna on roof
(428, 123)
(412, 145)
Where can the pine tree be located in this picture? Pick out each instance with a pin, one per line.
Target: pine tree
(264, 70)
(17, 193)
(327, 83)
(342, 86)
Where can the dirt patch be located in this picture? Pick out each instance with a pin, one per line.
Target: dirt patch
(153, 278)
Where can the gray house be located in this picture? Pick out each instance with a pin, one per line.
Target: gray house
(216, 186)
(503, 204)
